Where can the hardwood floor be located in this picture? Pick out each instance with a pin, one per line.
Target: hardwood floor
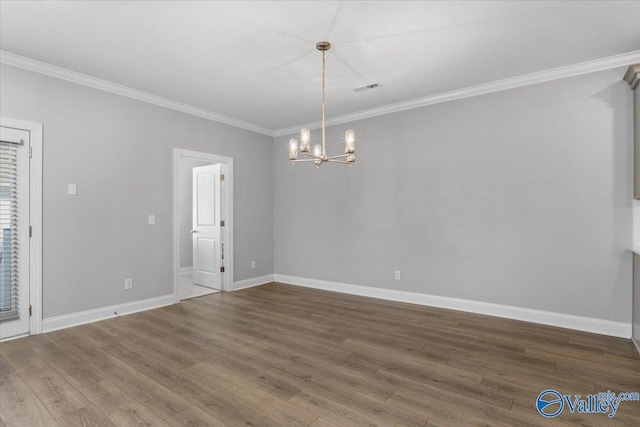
(279, 355)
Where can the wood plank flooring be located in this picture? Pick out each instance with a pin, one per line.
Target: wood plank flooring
(279, 355)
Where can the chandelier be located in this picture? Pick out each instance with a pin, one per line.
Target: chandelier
(319, 153)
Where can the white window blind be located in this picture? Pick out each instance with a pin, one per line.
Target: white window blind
(9, 250)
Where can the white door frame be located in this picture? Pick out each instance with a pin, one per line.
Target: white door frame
(35, 218)
(227, 212)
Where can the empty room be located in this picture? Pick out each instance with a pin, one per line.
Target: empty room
(319, 213)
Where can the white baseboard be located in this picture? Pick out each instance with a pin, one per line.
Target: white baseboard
(636, 343)
(569, 321)
(15, 337)
(587, 324)
(75, 319)
(185, 270)
(254, 281)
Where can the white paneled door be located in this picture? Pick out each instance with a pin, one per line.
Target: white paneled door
(14, 232)
(206, 228)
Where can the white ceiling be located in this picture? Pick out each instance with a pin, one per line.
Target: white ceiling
(257, 62)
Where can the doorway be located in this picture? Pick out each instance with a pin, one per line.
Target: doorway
(203, 223)
(20, 228)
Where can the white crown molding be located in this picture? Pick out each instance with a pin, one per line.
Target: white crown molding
(499, 85)
(102, 313)
(96, 83)
(632, 76)
(495, 86)
(569, 321)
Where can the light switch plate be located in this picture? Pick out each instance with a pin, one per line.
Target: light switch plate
(152, 220)
(72, 190)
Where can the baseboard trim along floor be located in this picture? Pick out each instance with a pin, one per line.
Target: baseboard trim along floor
(102, 313)
(579, 323)
(254, 281)
(80, 318)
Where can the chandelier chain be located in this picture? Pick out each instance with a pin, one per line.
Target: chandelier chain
(324, 144)
(323, 78)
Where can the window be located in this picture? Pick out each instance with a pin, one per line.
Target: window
(8, 226)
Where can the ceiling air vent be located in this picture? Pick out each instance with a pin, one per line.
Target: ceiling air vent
(367, 87)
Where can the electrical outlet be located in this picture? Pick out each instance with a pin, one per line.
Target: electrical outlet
(128, 284)
(397, 275)
(253, 265)
(152, 220)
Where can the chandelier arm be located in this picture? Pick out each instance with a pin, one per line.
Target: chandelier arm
(339, 161)
(312, 156)
(303, 160)
(339, 157)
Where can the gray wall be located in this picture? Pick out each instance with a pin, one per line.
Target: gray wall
(521, 197)
(185, 209)
(119, 153)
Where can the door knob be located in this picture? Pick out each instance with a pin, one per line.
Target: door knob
(194, 231)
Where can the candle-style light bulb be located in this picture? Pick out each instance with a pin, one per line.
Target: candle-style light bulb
(349, 142)
(317, 152)
(293, 149)
(305, 140)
